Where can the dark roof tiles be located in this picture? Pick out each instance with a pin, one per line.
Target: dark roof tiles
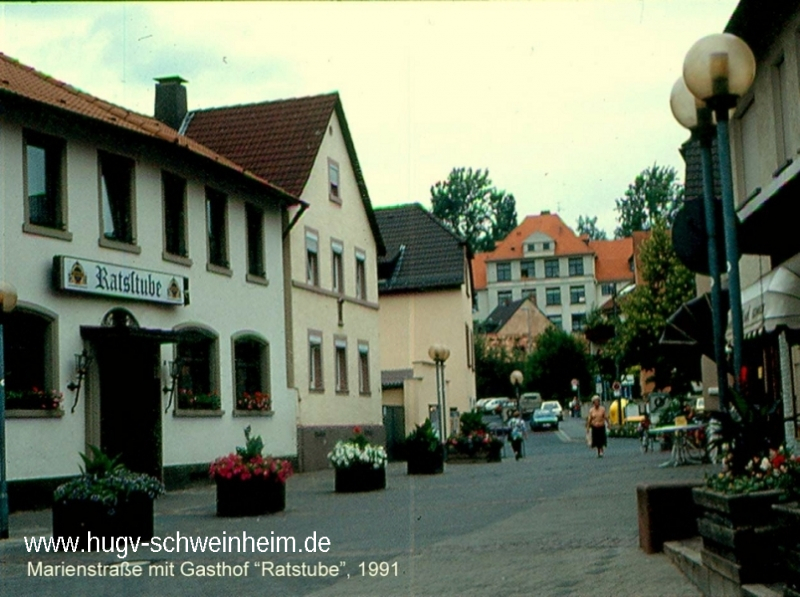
(421, 254)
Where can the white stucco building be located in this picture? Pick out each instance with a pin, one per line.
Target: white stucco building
(138, 248)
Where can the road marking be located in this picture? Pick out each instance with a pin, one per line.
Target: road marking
(563, 436)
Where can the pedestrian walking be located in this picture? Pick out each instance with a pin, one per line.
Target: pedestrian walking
(517, 433)
(596, 424)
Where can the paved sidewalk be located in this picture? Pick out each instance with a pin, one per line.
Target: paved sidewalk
(560, 522)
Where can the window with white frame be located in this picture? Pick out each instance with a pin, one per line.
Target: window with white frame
(527, 269)
(255, 241)
(116, 197)
(577, 295)
(781, 94)
(578, 321)
(361, 275)
(503, 272)
(315, 361)
(340, 351)
(173, 189)
(551, 268)
(504, 297)
(217, 228)
(529, 293)
(363, 368)
(312, 257)
(251, 362)
(576, 266)
(552, 296)
(608, 289)
(337, 266)
(44, 180)
(334, 190)
(557, 321)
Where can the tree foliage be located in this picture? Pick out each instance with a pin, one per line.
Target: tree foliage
(588, 225)
(559, 358)
(654, 195)
(474, 209)
(667, 284)
(493, 366)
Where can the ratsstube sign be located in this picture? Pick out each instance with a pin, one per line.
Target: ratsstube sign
(107, 279)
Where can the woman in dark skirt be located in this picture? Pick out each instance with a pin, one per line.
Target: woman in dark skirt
(596, 423)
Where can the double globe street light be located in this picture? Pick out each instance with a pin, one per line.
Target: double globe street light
(717, 71)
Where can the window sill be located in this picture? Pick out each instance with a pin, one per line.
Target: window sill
(342, 392)
(260, 280)
(118, 245)
(179, 259)
(45, 231)
(219, 269)
(253, 413)
(365, 394)
(199, 412)
(23, 413)
(316, 390)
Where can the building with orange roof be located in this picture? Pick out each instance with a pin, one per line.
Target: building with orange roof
(565, 275)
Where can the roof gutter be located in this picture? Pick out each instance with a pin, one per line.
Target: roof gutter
(303, 207)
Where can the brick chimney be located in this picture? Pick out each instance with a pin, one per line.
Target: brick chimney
(171, 101)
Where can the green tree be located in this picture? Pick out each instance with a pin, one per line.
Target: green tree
(559, 358)
(474, 209)
(588, 226)
(493, 366)
(667, 284)
(654, 195)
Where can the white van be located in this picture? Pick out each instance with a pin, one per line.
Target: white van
(529, 402)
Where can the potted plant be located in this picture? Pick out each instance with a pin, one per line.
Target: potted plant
(249, 483)
(474, 442)
(425, 453)
(359, 465)
(106, 500)
(739, 528)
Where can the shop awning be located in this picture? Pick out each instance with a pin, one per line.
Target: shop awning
(692, 326)
(773, 301)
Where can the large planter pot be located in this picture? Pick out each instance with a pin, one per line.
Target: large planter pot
(425, 462)
(788, 517)
(76, 519)
(254, 497)
(357, 479)
(740, 534)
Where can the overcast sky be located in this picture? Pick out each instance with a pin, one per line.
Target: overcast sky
(565, 102)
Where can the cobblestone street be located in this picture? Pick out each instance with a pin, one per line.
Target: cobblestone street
(558, 522)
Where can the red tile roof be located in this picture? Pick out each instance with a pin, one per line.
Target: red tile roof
(27, 83)
(612, 262)
(478, 265)
(278, 140)
(566, 241)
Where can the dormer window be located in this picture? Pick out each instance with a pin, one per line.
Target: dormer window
(547, 246)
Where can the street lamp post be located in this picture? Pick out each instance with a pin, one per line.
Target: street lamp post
(718, 70)
(439, 354)
(8, 300)
(696, 116)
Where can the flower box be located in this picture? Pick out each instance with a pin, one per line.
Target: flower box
(75, 519)
(253, 497)
(360, 478)
(425, 462)
(249, 483)
(740, 533)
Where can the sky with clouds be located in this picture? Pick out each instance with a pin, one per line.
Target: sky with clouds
(564, 102)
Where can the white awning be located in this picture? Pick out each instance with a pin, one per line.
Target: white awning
(772, 301)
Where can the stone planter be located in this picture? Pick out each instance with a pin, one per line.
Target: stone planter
(75, 519)
(740, 534)
(253, 497)
(358, 479)
(424, 462)
(493, 454)
(788, 517)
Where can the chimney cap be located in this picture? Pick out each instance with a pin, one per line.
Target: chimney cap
(171, 80)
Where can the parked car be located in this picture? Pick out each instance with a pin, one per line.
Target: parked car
(529, 402)
(491, 404)
(544, 418)
(555, 406)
